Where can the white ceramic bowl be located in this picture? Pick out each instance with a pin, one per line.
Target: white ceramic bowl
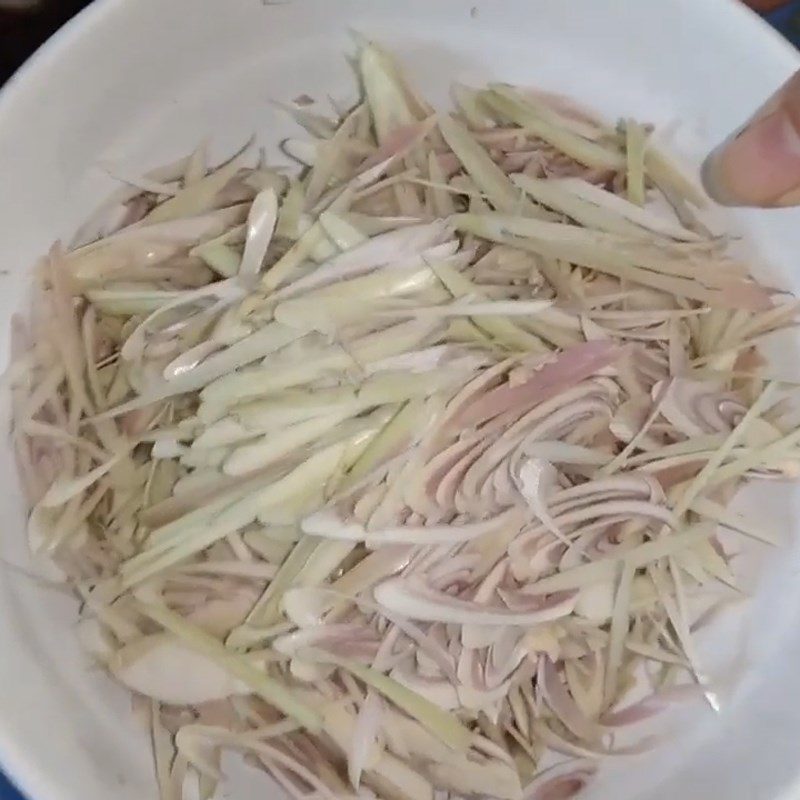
(140, 81)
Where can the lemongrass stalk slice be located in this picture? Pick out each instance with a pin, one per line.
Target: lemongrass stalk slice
(445, 726)
(390, 103)
(639, 556)
(491, 180)
(200, 196)
(260, 227)
(166, 670)
(272, 690)
(503, 308)
(698, 484)
(410, 597)
(64, 489)
(635, 141)
(618, 632)
(600, 209)
(328, 525)
(506, 101)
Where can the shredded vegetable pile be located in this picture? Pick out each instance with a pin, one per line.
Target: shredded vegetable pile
(402, 474)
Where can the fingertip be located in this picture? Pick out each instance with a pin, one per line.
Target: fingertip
(713, 182)
(760, 164)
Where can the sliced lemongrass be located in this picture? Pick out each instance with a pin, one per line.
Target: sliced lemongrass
(635, 140)
(489, 178)
(64, 489)
(273, 691)
(445, 726)
(199, 196)
(260, 227)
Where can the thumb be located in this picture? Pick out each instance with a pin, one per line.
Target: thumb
(759, 165)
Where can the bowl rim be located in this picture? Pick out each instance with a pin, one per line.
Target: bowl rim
(21, 767)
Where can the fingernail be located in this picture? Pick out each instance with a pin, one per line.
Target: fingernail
(760, 165)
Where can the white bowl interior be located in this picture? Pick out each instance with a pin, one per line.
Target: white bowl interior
(138, 82)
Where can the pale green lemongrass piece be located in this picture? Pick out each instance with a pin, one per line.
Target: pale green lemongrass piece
(768, 457)
(234, 235)
(270, 549)
(303, 248)
(654, 653)
(63, 489)
(34, 427)
(319, 126)
(638, 556)
(326, 524)
(373, 225)
(693, 458)
(297, 405)
(499, 328)
(722, 359)
(556, 110)
(271, 448)
(699, 445)
(395, 436)
(263, 177)
(620, 264)
(598, 209)
(261, 343)
(140, 182)
(391, 773)
(711, 563)
(289, 492)
(635, 140)
(219, 293)
(489, 178)
(93, 228)
(343, 233)
(390, 104)
(221, 432)
(619, 461)
(138, 246)
(163, 752)
(275, 692)
(196, 164)
(442, 724)
(706, 507)
(675, 605)
(492, 777)
(666, 174)
(261, 222)
(505, 308)
(672, 258)
(307, 566)
(710, 330)
(331, 157)
(410, 246)
(220, 257)
(267, 610)
(129, 302)
(162, 667)
(618, 633)
(327, 308)
(443, 205)
(291, 211)
(200, 196)
(256, 381)
(702, 479)
(468, 102)
(560, 452)
(506, 102)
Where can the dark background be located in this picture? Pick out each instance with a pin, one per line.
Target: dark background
(22, 31)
